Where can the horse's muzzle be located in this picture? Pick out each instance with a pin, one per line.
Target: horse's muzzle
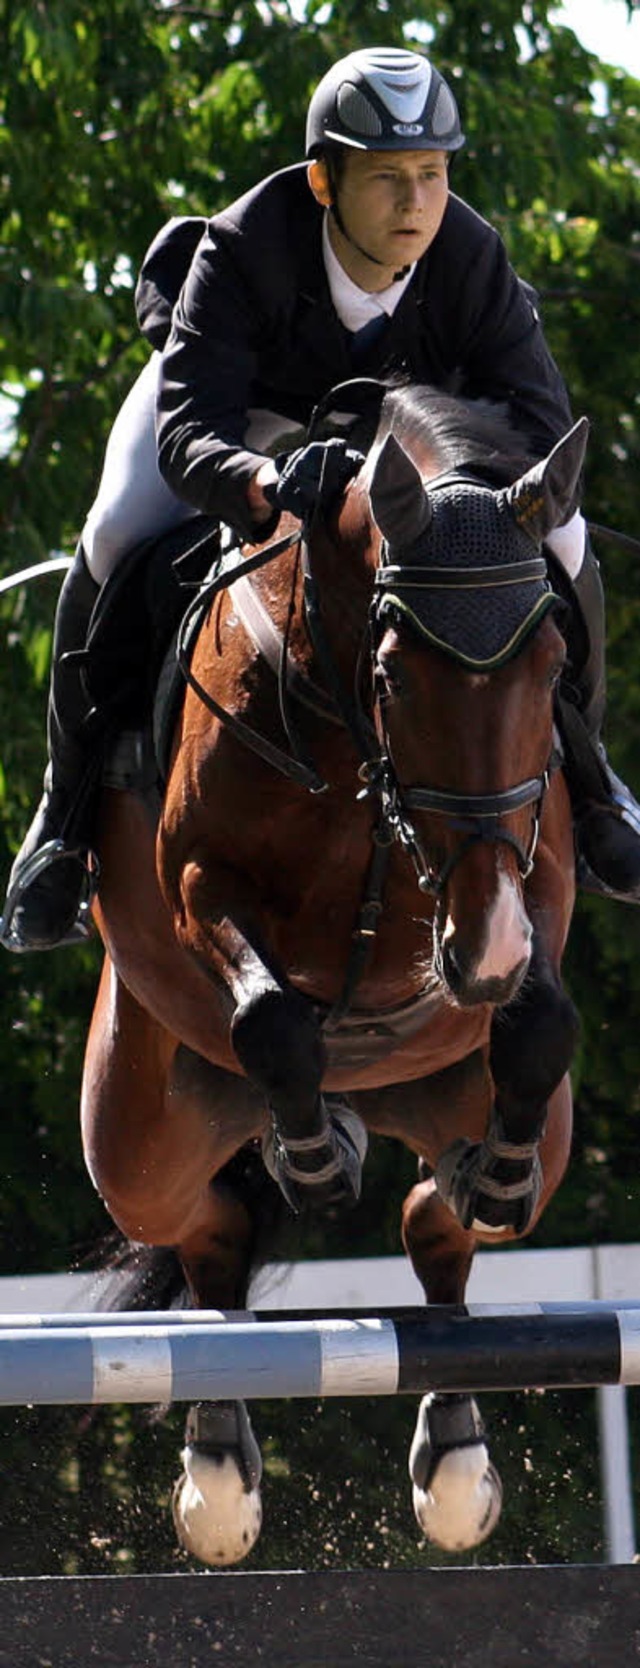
(469, 990)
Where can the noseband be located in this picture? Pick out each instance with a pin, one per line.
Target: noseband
(477, 816)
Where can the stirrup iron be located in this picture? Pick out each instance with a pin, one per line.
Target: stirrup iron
(36, 865)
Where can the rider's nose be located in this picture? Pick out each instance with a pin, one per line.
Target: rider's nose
(409, 194)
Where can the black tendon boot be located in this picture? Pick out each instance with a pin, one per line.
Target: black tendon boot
(606, 816)
(50, 882)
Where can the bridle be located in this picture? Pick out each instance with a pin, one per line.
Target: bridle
(479, 817)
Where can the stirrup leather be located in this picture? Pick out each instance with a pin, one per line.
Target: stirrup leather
(31, 870)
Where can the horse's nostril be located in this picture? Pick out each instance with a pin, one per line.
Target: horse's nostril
(459, 972)
(453, 966)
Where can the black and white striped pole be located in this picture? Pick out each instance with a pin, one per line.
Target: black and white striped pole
(186, 1356)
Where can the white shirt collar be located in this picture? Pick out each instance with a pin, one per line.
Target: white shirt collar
(356, 307)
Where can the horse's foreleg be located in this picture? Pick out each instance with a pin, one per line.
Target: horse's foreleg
(497, 1184)
(315, 1145)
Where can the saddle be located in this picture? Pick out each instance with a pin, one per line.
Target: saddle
(129, 664)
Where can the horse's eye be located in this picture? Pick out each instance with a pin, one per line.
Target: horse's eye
(555, 673)
(389, 675)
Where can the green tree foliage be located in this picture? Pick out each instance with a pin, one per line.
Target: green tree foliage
(116, 114)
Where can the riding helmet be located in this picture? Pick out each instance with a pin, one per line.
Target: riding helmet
(383, 99)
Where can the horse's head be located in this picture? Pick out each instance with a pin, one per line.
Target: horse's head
(467, 655)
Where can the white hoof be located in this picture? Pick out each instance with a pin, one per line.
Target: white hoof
(216, 1519)
(461, 1505)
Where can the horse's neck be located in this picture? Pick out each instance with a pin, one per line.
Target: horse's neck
(343, 567)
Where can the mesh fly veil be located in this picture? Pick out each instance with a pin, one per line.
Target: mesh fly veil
(481, 620)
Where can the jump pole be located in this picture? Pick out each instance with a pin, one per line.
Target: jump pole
(147, 1359)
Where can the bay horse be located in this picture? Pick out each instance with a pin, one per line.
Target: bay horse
(349, 913)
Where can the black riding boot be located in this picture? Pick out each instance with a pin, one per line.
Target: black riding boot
(50, 881)
(606, 816)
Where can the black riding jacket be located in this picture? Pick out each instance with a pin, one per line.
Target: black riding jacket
(254, 326)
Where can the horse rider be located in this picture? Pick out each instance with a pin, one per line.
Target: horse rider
(358, 262)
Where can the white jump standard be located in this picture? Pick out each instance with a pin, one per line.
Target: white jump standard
(147, 1359)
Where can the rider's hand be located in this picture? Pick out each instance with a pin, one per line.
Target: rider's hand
(312, 477)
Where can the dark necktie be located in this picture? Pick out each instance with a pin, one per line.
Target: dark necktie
(360, 341)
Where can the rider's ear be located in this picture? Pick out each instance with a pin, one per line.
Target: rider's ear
(318, 177)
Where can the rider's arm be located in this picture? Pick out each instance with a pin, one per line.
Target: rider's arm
(208, 369)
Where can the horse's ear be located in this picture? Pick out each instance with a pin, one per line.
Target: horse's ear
(543, 498)
(399, 502)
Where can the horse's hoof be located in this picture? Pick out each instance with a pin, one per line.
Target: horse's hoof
(491, 1185)
(217, 1510)
(318, 1172)
(457, 1493)
(463, 1504)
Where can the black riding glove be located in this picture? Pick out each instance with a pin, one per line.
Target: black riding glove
(312, 477)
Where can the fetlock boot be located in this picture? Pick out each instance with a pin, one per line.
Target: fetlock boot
(606, 816)
(51, 881)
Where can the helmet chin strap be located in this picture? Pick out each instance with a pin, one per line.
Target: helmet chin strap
(335, 211)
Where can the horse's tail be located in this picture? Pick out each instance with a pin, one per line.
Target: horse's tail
(140, 1276)
(151, 1276)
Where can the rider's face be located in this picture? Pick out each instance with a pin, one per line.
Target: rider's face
(391, 204)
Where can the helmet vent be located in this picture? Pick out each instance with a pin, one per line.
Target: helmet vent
(357, 113)
(444, 113)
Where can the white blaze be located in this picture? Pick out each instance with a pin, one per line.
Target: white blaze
(508, 940)
(508, 933)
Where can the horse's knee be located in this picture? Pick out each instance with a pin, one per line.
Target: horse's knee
(278, 1042)
(533, 1044)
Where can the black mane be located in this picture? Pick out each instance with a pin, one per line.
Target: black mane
(470, 436)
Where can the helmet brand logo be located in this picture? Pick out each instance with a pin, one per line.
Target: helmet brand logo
(408, 128)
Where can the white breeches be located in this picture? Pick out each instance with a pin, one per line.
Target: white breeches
(133, 501)
(568, 544)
